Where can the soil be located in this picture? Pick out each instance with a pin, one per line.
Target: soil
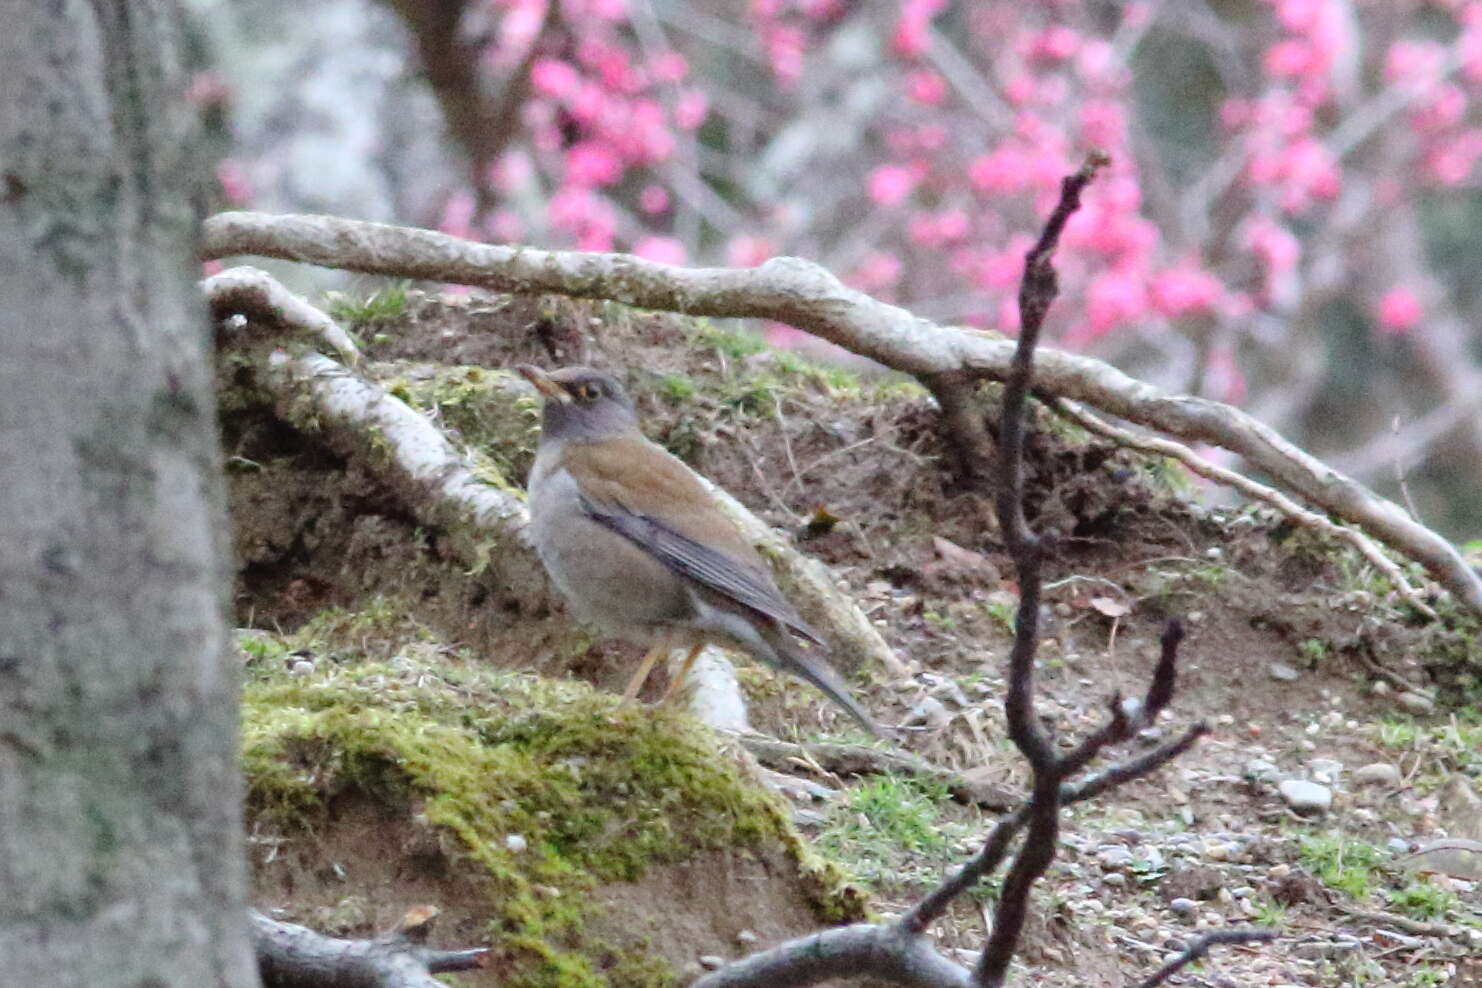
(1300, 658)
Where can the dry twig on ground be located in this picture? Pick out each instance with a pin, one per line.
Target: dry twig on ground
(292, 956)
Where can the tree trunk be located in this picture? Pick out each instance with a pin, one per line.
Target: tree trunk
(120, 825)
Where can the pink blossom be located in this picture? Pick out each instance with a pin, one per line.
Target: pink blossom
(1274, 245)
(1003, 270)
(890, 184)
(1223, 379)
(457, 218)
(208, 268)
(1289, 58)
(690, 111)
(670, 67)
(1444, 108)
(591, 163)
(504, 226)
(1114, 298)
(1184, 289)
(749, 251)
(875, 272)
(665, 250)
(653, 199)
(1417, 62)
(549, 77)
(1103, 124)
(1001, 170)
(1398, 312)
(1056, 43)
(925, 87)
(1008, 315)
(232, 178)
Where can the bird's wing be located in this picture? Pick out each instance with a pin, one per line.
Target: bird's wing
(652, 499)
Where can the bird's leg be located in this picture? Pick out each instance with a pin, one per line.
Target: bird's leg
(635, 684)
(684, 670)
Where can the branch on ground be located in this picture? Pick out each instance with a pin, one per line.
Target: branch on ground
(292, 956)
(482, 513)
(808, 297)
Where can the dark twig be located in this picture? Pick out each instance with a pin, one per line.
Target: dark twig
(1200, 947)
(1037, 290)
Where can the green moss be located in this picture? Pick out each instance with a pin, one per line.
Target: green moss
(596, 793)
(498, 425)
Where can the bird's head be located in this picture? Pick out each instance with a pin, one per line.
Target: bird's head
(581, 404)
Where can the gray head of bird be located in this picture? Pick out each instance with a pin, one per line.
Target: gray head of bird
(581, 404)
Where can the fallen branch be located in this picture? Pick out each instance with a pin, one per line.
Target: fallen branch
(1200, 947)
(1252, 489)
(482, 513)
(292, 956)
(805, 295)
(847, 760)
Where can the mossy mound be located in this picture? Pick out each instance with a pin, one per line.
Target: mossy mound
(532, 811)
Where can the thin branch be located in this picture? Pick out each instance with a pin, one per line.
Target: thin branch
(1200, 947)
(1037, 290)
(867, 949)
(1251, 489)
(806, 296)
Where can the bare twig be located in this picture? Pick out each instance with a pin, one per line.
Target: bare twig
(804, 295)
(1200, 947)
(1037, 291)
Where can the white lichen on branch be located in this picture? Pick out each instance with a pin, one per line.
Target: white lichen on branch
(808, 297)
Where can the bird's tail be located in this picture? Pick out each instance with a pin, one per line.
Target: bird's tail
(789, 656)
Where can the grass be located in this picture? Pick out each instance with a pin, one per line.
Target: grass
(1341, 863)
(387, 303)
(1424, 901)
(889, 825)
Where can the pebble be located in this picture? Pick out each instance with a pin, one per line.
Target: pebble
(301, 667)
(515, 844)
(1261, 770)
(1183, 907)
(1114, 856)
(746, 938)
(1306, 798)
(1282, 673)
(1115, 879)
(1325, 769)
(1377, 774)
(1416, 703)
(712, 962)
(1398, 845)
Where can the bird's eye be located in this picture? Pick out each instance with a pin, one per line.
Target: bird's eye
(588, 391)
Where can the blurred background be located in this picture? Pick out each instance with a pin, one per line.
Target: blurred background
(1292, 222)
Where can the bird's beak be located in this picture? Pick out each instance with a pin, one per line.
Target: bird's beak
(544, 384)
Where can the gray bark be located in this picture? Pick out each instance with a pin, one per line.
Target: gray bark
(120, 833)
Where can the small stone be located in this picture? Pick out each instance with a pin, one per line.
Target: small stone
(1261, 770)
(746, 938)
(712, 962)
(1283, 673)
(1115, 880)
(1183, 907)
(1114, 856)
(1379, 687)
(301, 667)
(1306, 798)
(1325, 769)
(515, 844)
(1377, 774)
(1398, 845)
(1416, 703)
